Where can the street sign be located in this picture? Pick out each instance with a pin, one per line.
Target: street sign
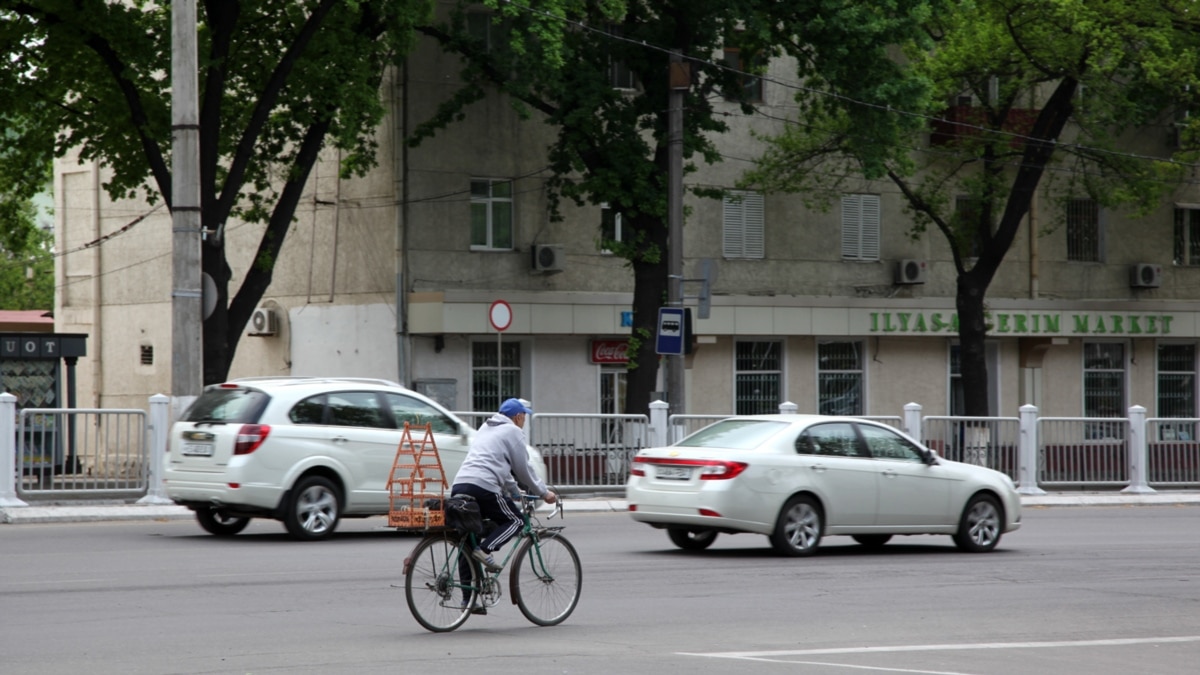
(500, 315)
(670, 331)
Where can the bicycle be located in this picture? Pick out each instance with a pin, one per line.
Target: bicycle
(444, 585)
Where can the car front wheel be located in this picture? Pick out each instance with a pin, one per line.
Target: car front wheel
(691, 540)
(214, 521)
(981, 525)
(799, 527)
(313, 510)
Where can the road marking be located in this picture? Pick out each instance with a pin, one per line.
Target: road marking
(778, 655)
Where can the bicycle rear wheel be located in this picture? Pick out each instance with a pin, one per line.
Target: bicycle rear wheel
(440, 591)
(546, 578)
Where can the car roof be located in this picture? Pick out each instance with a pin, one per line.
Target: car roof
(292, 387)
(804, 418)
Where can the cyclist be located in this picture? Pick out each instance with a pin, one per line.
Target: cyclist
(498, 454)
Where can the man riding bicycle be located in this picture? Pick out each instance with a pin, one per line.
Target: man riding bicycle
(498, 454)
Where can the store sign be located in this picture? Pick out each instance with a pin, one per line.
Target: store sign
(610, 351)
(1027, 323)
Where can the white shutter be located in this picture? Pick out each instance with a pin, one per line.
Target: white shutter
(870, 227)
(732, 227)
(753, 207)
(742, 226)
(860, 227)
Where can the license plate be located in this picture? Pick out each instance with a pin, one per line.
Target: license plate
(198, 449)
(673, 472)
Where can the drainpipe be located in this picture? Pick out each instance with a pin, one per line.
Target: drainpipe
(1034, 285)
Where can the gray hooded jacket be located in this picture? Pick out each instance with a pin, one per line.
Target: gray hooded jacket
(498, 454)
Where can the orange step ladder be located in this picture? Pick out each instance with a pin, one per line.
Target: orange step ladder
(417, 476)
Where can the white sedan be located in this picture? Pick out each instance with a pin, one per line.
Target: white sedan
(798, 478)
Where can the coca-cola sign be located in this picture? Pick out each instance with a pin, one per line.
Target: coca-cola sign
(610, 351)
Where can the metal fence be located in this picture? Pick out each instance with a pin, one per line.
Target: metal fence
(588, 452)
(81, 452)
(1173, 452)
(1076, 451)
(984, 441)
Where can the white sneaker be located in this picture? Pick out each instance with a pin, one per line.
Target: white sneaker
(486, 560)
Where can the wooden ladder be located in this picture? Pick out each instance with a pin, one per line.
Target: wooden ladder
(416, 469)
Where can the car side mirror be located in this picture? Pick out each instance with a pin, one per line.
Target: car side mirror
(931, 456)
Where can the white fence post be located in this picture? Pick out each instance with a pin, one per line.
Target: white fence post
(788, 408)
(912, 420)
(160, 410)
(660, 432)
(1137, 452)
(1027, 451)
(8, 451)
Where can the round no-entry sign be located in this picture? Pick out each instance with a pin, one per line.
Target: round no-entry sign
(500, 315)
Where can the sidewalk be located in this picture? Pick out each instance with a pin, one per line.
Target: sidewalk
(63, 513)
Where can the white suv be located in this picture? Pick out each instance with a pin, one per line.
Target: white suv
(304, 450)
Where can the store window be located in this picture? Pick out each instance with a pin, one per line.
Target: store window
(758, 377)
(495, 374)
(840, 378)
(1104, 385)
(613, 382)
(491, 214)
(1176, 389)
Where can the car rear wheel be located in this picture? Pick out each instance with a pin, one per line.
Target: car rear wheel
(313, 510)
(799, 527)
(214, 521)
(872, 540)
(691, 540)
(981, 525)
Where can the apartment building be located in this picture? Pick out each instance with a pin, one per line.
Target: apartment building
(840, 311)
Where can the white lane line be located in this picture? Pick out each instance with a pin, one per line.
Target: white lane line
(1114, 642)
(857, 667)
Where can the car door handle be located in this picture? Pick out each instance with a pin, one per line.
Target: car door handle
(819, 468)
(890, 474)
(340, 439)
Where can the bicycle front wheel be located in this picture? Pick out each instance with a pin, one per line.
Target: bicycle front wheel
(440, 584)
(546, 577)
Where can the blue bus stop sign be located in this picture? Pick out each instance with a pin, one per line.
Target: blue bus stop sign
(670, 331)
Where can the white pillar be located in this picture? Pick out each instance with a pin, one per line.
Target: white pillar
(8, 451)
(660, 430)
(1027, 452)
(788, 408)
(1138, 454)
(912, 420)
(160, 412)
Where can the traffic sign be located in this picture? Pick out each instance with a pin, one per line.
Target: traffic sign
(671, 331)
(500, 315)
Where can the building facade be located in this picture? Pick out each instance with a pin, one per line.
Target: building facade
(837, 310)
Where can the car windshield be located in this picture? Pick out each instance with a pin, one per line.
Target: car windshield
(738, 434)
(227, 405)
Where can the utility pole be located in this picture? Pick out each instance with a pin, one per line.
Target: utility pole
(679, 81)
(186, 296)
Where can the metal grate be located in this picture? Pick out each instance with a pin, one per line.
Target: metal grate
(839, 378)
(1176, 380)
(1103, 379)
(1083, 230)
(486, 395)
(758, 386)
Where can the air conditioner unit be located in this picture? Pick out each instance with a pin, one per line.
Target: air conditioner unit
(264, 321)
(547, 257)
(1145, 275)
(910, 271)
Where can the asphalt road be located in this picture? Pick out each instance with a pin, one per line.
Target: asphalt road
(1096, 590)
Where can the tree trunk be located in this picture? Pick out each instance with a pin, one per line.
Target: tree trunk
(972, 336)
(650, 292)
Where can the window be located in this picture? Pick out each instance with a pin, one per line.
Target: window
(619, 73)
(309, 411)
(741, 62)
(967, 212)
(356, 409)
(493, 382)
(610, 227)
(613, 383)
(1187, 236)
(839, 378)
(1083, 230)
(418, 414)
(860, 227)
(491, 214)
(885, 444)
(834, 440)
(742, 225)
(1176, 380)
(758, 380)
(1103, 379)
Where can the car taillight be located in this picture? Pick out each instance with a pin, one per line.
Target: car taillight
(710, 469)
(249, 437)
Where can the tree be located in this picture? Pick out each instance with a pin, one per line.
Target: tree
(280, 80)
(1051, 85)
(611, 138)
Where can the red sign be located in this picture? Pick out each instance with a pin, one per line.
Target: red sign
(610, 351)
(500, 315)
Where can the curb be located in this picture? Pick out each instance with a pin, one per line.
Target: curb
(16, 515)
